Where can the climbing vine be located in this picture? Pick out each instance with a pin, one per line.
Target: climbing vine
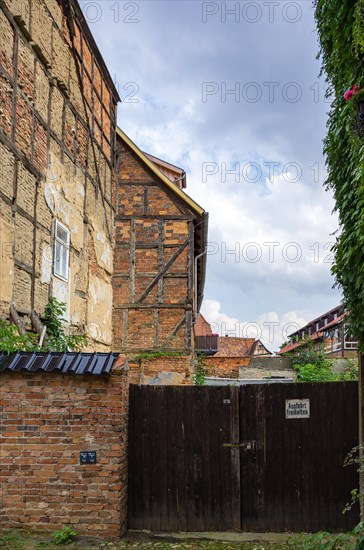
(200, 371)
(340, 27)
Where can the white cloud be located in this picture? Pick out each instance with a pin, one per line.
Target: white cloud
(169, 54)
(270, 328)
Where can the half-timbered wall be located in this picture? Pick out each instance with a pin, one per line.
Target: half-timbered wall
(153, 274)
(57, 128)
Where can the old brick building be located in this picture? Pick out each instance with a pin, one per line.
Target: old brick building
(159, 266)
(57, 130)
(223, 356)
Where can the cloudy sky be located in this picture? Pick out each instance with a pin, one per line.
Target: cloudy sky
(230, 91)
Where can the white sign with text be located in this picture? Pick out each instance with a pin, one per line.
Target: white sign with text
(297, 408)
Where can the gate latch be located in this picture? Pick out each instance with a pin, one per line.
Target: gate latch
(246, 445)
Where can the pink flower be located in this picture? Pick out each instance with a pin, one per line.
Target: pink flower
(350, 92)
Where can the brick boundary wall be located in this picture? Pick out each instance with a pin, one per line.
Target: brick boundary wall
(162, 371)
(46, 420)
(225, 367)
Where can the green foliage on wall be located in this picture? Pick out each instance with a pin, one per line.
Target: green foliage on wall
(340, 27)
(313, 365)
(11, 341)
(200, 371)
(56, 337)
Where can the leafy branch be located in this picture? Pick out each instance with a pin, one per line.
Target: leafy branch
(56, 337)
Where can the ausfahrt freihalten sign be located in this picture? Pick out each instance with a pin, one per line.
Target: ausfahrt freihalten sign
(297, 408)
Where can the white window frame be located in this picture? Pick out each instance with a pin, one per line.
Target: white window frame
(63, 246)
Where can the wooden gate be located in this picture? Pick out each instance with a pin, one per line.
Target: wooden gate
(248, 458)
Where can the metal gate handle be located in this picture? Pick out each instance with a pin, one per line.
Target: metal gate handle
(247, 445)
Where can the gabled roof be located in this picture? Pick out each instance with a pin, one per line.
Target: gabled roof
(290, 347)
(259, 344)
(173, 172)
(202, 327)
(316, 336)
(338, 310)
(166, 181)
(70, 363)
(200, 222)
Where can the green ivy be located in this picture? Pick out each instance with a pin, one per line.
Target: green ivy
(56, 337)
(340, 27)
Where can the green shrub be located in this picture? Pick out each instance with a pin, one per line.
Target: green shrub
(64, 536)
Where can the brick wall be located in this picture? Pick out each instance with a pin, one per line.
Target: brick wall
(46, 420)
(225, 367)
(162, 370)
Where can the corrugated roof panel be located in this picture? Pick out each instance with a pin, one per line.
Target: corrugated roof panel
(67, 362)
(22, 360)
(106, 366)
(92, 362)
(70, 362)
(84, 361)
(54, 361)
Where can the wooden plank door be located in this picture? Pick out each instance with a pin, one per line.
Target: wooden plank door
(294, 478)
(184, 472)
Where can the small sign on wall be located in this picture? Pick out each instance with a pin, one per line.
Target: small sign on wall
(88, 457)
(297, 408)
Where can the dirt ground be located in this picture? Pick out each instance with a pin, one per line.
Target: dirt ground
(20, 540)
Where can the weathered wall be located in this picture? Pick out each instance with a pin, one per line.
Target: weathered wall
(248, 367)
(224, 367)
(56, 158)
(46, 420)
(263, 367)
(153, 273)
(162, 371)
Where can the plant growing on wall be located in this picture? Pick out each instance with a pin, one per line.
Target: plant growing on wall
(56, 337)
(313, 365)
(200, 372)
(341, 33)
(11, 340)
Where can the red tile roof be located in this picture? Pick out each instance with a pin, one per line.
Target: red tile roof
(315, 336)
(235, 347)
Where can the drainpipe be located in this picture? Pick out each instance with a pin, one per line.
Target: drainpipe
(195, 281)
